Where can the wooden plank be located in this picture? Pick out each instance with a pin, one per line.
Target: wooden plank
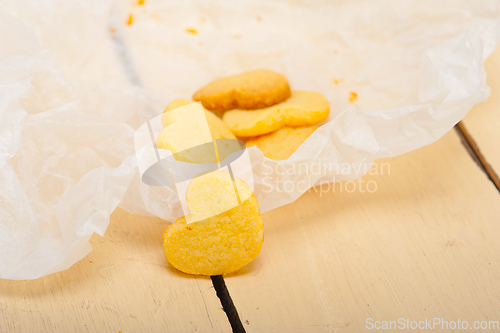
(483, 121)
(423, 245)
(124, 285)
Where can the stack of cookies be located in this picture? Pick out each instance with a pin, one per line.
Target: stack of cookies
(259, 108)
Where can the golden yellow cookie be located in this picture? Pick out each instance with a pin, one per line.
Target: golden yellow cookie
(189, 133)
(250, 90)
(218, 128)
(302, 109)
(280, 145)
(221, 243)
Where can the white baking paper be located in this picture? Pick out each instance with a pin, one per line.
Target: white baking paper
(77, 81)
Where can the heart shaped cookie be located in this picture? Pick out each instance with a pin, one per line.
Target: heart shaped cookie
(250, 90)
(304, 108)
(223, 231)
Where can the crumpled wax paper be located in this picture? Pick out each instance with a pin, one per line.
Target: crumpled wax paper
(78, 78)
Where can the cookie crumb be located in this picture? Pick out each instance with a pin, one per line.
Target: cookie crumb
(130, 20)
(112, 30)
(353, 96)
(191, 30)
(337, 81)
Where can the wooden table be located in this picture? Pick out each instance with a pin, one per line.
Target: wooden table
(425, 244)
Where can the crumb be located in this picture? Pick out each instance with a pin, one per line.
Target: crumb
(352, 96)
(140, 2)
(337, 81)
(130, 19)
(191, 30)
(112, 30)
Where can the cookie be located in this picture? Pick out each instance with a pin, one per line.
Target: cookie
(228, 238)
(189, 132)
(218, 129)
(250, 90)
(187, 135)
(303, 108)
(280, 145)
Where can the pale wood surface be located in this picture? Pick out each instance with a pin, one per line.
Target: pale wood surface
(425, 244)
(124, 285)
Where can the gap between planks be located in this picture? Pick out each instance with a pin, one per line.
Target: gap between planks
(476, 154)
(227, 303)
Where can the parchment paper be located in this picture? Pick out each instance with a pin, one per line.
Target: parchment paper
(77, 81)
